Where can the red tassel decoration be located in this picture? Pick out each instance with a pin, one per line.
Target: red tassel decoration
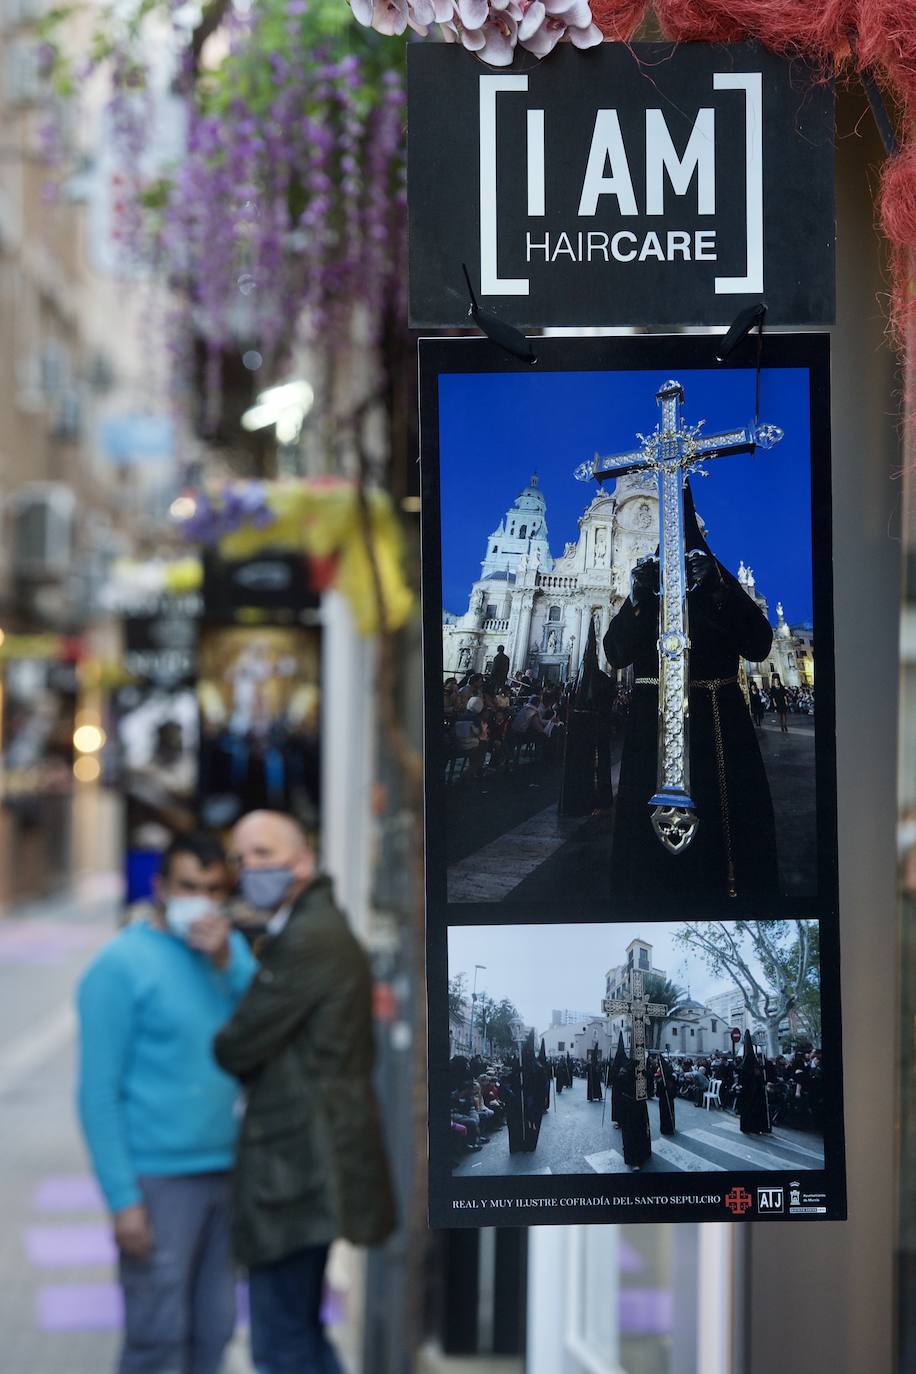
(897, 211)
(818, 29)
(618, 20)
(699, 21)
(887, 39)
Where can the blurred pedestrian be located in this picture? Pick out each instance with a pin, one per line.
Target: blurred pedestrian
(160, 1116)
(311, 1164)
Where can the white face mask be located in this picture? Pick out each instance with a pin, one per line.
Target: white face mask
(182, 912)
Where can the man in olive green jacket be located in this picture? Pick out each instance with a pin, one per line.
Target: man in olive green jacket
(311, 1164)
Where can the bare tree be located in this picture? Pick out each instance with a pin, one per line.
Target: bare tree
(788, 958)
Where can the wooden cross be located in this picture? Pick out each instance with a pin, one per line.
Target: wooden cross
(639, 1010)
(668, 454)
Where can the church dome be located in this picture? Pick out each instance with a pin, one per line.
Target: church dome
(688, 1004)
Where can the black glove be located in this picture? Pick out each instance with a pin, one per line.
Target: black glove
(644, 580)
(701, 570)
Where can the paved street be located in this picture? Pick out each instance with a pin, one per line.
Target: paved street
(60, 1310)
(789, 761)
(573, 1141)
(507, 842)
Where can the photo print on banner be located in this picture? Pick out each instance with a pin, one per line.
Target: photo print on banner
(636, 1070)
(633, 949)
(629, 702)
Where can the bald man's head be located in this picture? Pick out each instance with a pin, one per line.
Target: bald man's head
(271, 843)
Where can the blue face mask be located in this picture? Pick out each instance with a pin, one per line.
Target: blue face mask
(182, 912)
(265, 888)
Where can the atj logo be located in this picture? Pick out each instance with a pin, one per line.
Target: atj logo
(739, 1201)
(770, 1200)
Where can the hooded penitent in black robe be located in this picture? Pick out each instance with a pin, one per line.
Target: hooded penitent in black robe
(526, 1106)
(594, 1076)
(547, 1071)
(650, 1078)
(665, 1098)
(511, 1087)
(754, 1109)
(586, 784)
(618, 1063)
(734, 849)
(634, 1126)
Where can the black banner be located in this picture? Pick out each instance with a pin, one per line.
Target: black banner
(643, 185)
(631, 884)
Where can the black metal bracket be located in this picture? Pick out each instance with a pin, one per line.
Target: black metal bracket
(879, 112)
(505, 335)
(753, 317)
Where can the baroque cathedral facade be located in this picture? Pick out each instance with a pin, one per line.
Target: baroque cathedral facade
(539, 607)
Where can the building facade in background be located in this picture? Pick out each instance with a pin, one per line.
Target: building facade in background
(540, 607)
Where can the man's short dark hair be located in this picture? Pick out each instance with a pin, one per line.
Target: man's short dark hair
(206, 848)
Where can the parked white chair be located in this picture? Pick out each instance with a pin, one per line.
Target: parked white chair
(711, 1095)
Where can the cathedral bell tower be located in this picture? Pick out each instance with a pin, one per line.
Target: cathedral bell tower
(522, 531)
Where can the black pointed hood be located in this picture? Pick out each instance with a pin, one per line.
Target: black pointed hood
(620, 1058)
(750, 1053)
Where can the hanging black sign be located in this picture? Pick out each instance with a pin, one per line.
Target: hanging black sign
(644, 185)
(631, 846)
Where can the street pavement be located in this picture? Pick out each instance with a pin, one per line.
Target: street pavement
(574, 1141)
(60, 1309)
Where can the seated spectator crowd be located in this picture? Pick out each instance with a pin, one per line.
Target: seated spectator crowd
(794, 1084)
(487, 724)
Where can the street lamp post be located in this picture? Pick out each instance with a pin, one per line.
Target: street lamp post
(474, 1007)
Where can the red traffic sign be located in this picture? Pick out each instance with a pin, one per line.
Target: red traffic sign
(735, 1034)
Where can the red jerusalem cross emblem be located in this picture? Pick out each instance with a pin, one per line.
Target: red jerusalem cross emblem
(739, 1201)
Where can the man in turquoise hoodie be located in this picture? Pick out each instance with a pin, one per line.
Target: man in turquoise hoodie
(160, 1117)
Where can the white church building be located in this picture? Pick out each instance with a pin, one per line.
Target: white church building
(538, 607)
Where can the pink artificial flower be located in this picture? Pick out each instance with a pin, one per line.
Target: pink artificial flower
(473, 13)
(540, 32)
(499, 35)
(444, 11)
(585, 36)
(473, 39)
(389, 17)
(362, 11)
(577, 16)
(422, 14)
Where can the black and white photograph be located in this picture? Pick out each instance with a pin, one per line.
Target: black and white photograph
(652, 1048)
(629, 626)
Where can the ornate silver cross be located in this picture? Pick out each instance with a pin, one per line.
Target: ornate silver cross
(639, 1011)
(668, 454)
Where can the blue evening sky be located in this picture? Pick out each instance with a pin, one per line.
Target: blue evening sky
(497, 429)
